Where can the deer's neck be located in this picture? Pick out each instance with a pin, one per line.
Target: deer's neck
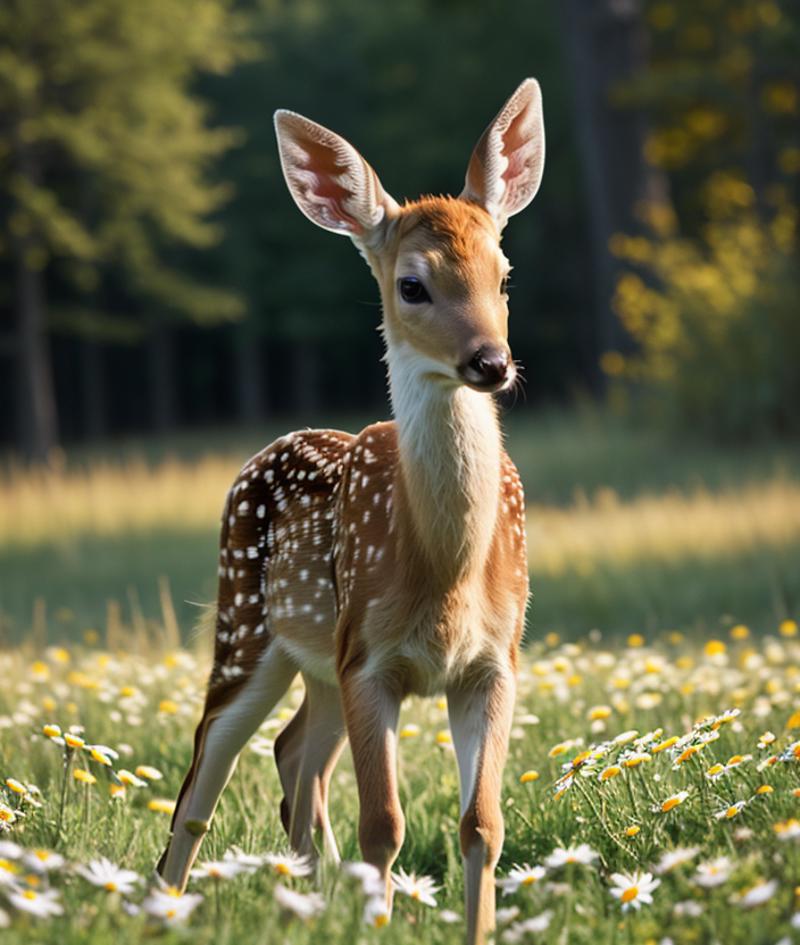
(450, 445)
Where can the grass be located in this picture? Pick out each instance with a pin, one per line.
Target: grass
(571, 696)
(629, 533)
(627, 529)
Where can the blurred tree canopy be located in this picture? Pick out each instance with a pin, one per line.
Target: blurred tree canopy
(104, 167)
(712, 288)
(156, 272)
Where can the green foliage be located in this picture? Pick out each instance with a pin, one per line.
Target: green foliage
(711, 296)
(106, 152)
(717, 332)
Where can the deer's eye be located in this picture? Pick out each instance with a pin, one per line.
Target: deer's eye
(412, 290)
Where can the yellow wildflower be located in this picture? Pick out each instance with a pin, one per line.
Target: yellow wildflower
(598, 712)
(161, 805)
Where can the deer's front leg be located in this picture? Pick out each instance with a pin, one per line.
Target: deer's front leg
(371, 709)
(480, 720)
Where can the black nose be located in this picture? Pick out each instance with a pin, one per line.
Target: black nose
(488, 366)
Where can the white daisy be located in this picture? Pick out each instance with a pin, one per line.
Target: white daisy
(289, 864)
(633, 889)
(9, 870)
(520, 876)
(728, 813)
(687, 909)
(538, 923)
(713, 872)
(40, 904)
(42, 861)
(10, 850)
(376, 913)
(506, 914)
(520, 930)
(674, 858)
(561, 856)
(421, 888)
(217, 869)
(170, 906)
(757, 895)
(106, 875)
(369, 876)
(303, 905)
(249, 862)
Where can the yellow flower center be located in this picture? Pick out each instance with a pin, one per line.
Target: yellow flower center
(381, 919)
(29, 894)
(111, 886)
(283, 869)
(731, 812)
(630, 894)
(529, 880)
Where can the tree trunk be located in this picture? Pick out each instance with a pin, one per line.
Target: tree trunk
(94, 390)
(163, 409)
(607, 44)
(249, 368)
(36, 404)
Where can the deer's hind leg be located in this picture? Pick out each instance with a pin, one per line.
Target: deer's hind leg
(306, 752)
(223, 731)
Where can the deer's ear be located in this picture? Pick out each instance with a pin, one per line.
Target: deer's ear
(330, 182)
(505, 169)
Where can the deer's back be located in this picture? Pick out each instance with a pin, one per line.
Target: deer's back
(275, 567)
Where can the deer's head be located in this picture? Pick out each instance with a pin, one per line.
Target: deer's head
(438, 261)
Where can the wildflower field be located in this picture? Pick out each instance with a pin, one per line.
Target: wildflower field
(652, 792)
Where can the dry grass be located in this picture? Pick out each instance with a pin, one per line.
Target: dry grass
(103, 499)
(664, 528)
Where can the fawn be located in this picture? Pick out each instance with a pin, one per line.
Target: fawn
(393, 561)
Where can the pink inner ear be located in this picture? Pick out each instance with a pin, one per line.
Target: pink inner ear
(515, 141)
(323, 169)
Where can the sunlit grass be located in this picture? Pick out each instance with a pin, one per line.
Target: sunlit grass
(604, 529)
(626, 529)
(605, 751)
(103, 499)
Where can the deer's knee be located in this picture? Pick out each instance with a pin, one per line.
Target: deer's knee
(380, 835)
(482, 827)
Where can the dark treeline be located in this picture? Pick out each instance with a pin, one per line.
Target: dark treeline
(154, 273)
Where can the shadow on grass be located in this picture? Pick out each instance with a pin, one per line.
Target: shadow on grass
(703, 594)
